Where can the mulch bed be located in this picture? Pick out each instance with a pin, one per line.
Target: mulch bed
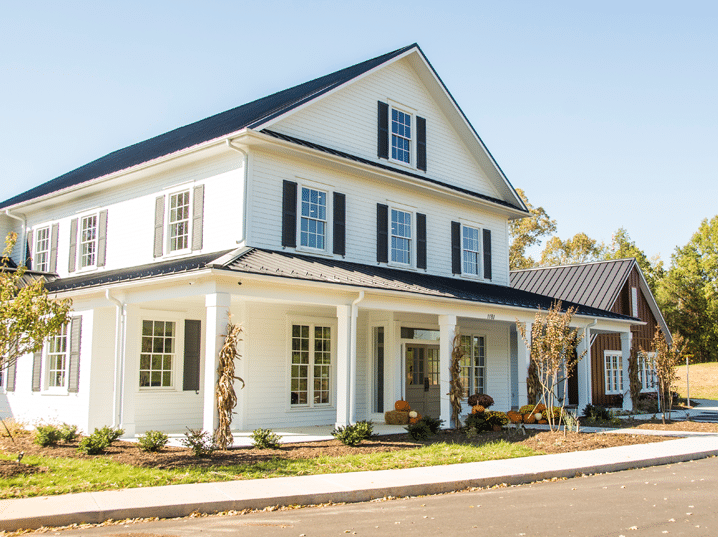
(171, 457)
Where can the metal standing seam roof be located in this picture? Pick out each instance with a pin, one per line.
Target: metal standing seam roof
(592, 284)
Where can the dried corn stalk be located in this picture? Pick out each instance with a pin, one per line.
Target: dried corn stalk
(226, 396)
(456, 390)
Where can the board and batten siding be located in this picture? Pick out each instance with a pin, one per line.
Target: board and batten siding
(362, 196)
(347, 120)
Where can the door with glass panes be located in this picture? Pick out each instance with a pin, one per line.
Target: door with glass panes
(422, 379)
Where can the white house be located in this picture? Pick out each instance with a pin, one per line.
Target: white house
(352, 224)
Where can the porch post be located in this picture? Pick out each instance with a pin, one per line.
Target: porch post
(130, 368)
(626, 338)
(344, 379)
(217, 306)
(524, 359)
(447, 326)
(583, 370)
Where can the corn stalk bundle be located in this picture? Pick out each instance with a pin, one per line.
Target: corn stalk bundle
(634, 382)
(456, 390)
(226, 396)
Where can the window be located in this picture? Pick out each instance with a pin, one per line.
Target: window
(647, 371)
(88, 241)
(311, 358)
(471, 251)
(178, 221)
(42, 250)
(57, 359)
(313, 225)
(400, 237)
(400, 136)
(634, 302)
(473, 364)
(157, 354)
(613, 366)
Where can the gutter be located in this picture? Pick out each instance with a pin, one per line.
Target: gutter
(243, 238)
(23, 219)
(118, 384)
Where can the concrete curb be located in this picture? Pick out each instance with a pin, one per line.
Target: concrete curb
(181, 500)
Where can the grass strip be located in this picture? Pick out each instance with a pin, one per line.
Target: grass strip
(68, 475)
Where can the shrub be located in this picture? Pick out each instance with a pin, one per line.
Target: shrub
(527, 409)
(514, 417)
(434, 424)
(366, 428)
(200, 442)
(529, 418)
(47, 435)
(68, 433)
(494, 417)
(93, 444)
(110, 433)
(352, 435)
(478, 422)
(482, 399)
(419, 430)
(153, 441)
(596, 413)
(265, 439)
(12, 428)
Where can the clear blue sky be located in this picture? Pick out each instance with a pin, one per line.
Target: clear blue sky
(605, 113)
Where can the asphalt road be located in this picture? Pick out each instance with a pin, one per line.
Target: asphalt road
(679, 499)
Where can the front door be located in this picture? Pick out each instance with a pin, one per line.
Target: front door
(422, 379)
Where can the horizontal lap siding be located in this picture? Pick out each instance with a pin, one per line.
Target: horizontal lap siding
(347, 120)
(171, 411)
(362, 195)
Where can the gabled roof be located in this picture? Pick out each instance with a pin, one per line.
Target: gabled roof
(295, 267)
(249, 115)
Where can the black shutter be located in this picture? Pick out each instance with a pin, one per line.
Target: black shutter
(37, 370)
(73, 245)
(455, 248)
(192, 343)
(159, 226)
(487, 254)
(420, 240)
(73, 380)
(289, 215)
(383, 132)
(197, 217)
(29, 251)
(10, 381)
(421, 143)
(382, 233)
(339, 224)
(102, 239)
(54, 236)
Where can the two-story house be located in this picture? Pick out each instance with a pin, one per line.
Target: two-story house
(352, 224)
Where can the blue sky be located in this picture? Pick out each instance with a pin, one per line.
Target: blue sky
(605, 113)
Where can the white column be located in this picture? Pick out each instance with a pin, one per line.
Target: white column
(626, 338)
(583, 370)
(217, 308)
(447, 326)
(240, 418)
(524, 359)
(130, 368)
(344, 379)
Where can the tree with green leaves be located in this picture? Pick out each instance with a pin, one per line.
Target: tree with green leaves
(578, 249)
(528, 232)
(688, 294)
(28, 315)
(622, 247)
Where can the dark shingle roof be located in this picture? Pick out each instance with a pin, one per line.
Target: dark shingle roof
(592, 284)
(248, 115)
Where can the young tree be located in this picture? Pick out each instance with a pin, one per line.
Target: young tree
(666, 360)
(553, 352)
(578, 249)
(622, 247)
(527, 232)
(28, 315)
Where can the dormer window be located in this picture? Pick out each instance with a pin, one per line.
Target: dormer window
(400, 136)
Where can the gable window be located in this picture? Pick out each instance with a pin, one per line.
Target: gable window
(311, 359)
(157, 355)
(41, 259)
(313, 225)
(400, 237)
(88, 241)
(400, 136)
(57, 359)
(471, 251)
(178, 221)
(613, 367)
(473, 364)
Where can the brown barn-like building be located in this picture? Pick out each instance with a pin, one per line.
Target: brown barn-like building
(617, 286)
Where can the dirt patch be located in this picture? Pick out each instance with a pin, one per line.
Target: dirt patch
(10, 469)
(129, 453)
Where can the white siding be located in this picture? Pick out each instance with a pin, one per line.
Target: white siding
(362, 195)
(347, 120)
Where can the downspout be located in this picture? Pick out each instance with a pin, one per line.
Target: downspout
(119, 381)
(353, 359)
(245, 165)
(23, 248)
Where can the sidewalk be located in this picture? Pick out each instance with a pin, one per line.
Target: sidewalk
(181, 500)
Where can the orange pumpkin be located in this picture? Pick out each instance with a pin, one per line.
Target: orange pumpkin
(529, 418)
(415, 419)
(402, 406)
(478, 409)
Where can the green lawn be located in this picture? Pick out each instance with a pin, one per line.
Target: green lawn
(67, 475)
(703, 381)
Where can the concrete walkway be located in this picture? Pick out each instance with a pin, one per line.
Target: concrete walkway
(181, 500)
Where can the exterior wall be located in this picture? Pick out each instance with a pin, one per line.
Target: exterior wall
(362, 195)
(347, 121)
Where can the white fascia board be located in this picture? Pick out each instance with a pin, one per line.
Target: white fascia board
(511, 212)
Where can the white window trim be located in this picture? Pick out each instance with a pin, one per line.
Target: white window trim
(329, 232)
(178, 362)
(45, 388)
(484, 334)
(412, 239)
(80, 218)
(167, 239)
(611, 354)
(331, 322)
(643, 372)
(393, 105)
(480, 228)
(35, 235)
